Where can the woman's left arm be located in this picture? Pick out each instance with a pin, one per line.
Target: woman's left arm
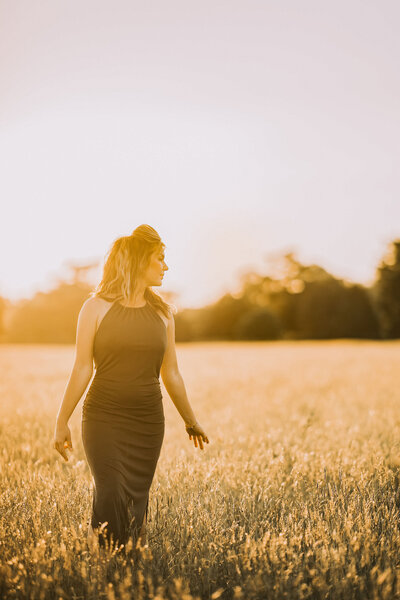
(175, 386)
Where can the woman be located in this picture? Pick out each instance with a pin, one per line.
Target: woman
(129, 332)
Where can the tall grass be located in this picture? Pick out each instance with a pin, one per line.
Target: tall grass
(296, 496)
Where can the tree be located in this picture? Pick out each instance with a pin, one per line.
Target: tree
(218, 320)
(328, 309)
(3, 305)
(258, 324)
(183, 327)
(49, 317)
(387, 291)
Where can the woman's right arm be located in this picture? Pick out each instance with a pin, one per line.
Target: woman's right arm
(81, 374)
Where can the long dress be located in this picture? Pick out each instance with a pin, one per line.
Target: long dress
(123, 418)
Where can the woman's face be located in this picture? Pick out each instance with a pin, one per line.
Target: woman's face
(155, 270)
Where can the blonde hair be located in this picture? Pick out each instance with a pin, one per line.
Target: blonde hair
(125, 263)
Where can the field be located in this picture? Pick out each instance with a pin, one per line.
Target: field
(296, 496)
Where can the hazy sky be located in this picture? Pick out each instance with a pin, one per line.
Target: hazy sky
(236, 129)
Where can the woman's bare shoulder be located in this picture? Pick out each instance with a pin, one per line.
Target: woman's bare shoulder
(95, 305)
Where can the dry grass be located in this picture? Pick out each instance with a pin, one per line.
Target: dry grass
(296, 496)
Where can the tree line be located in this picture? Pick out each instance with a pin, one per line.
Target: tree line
(301, 302)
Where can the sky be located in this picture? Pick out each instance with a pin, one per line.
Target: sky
(238, 130)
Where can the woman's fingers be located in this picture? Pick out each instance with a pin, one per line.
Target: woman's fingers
(198, 441)
(62, 440)
(199, 437)
(62, 452)
(59, 446)
(202, 436)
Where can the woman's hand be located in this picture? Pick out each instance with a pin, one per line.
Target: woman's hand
(62, 439)
(198, 434)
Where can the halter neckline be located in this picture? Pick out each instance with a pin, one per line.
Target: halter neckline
(134, 307)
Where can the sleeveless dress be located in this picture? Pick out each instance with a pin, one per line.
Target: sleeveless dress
(123, 418)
